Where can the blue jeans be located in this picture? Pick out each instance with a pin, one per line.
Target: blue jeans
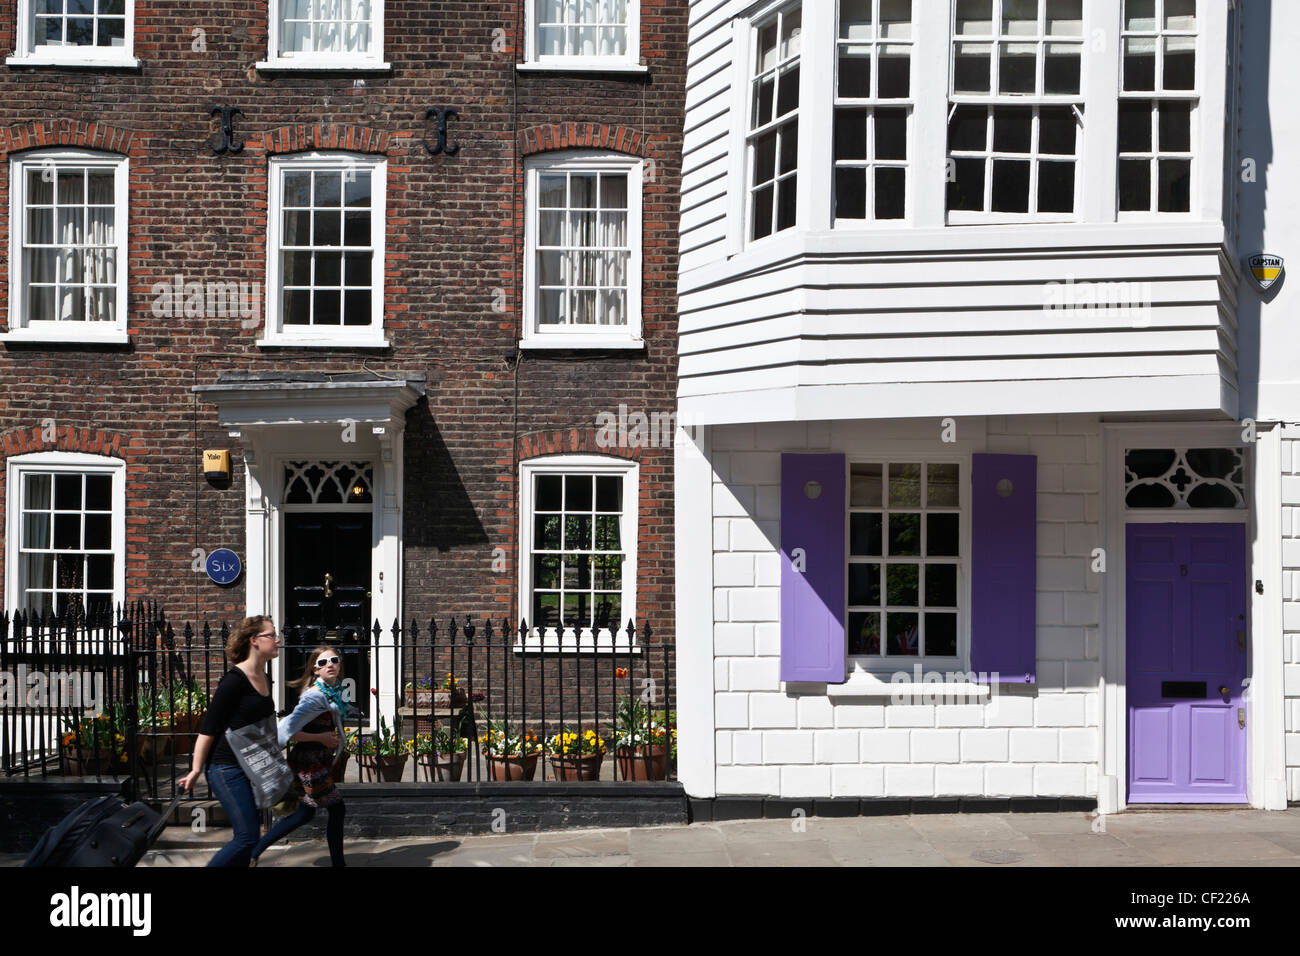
(303, 815)
(228, 783)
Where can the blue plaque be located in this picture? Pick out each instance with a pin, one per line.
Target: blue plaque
(223, 566)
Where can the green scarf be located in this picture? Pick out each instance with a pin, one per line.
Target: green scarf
(335, 696)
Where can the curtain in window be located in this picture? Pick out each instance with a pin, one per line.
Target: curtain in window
(613, 241)
(101, 264)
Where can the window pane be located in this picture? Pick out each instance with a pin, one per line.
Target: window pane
(546, 533)
(941, 635)
(904, 485)
(1055, 187)
(577, 492)
(1180, 63)
(789, 148)
(787, 195)
(903, 633)
(966, 190)
(99, 493)
(546, 571)
(548, 492)
(98, 534)
(765, 157)
(609, 494)
(1012, 129)
(941, 535)
(891, 190)
(855, 71)
(1065, 18)
(864, 535)
(941, 489)
(1175, 185)
(763, 212)
(787, 92)
(864, 584)
(896, 19)
(1010, 186)
(607, 533)
(1062, 68)
(895, 68)
(851, 193)
(971, 64)
(864, 632)
(855, 20)
(1175, 127)
(904, 533)
(297, 307)
(968, 128)
(941, 585)
(1180, 15)
(1140, 15)
(67, 531)
(851, 133)
(902, 583)
(67, 492)
(1134, 185)
(326, 307)
(37, 488)
(357, 307)
(1139, 63)
(99, 571)
(865, 486)
(36, 530)
(891, 134)
(608, 572)
(974, 17)
(1019, 17)
(1134, 126)
(1016, 65)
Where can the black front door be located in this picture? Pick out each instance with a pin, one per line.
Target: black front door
(327, 595)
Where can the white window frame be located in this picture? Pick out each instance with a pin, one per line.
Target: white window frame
(626, 336)
(603, 643)
(629, 62)
(368, 336)
(780, 124)
(17, 468)
(872, 105)
(881, 665)
(21, 327)
(318, 61)
(28, 53)
(1158, 96)
(1035, 101)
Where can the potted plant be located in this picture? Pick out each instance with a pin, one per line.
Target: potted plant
(92, 745)
(642, 740)
(440, 754)
(576, 756)
(169, 719)
(422, 693)
(381, 756)
(510, 754)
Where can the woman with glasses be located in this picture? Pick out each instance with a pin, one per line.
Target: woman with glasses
(316, 727)
(243, 697)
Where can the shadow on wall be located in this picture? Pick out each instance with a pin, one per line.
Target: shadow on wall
(1255, 143)
(439, 511)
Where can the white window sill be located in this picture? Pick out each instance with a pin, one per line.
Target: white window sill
(77, 62)
(578, 340)
(322, 64)
(902, 682)
(582, 66)
(71, 337)
(551, 643)
(282, 342)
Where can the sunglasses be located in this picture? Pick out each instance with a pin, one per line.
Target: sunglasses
(326, 661)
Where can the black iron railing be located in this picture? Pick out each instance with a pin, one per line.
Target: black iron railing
(121, 698)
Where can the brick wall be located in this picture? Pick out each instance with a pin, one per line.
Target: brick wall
(1023, 742)
(454, 244)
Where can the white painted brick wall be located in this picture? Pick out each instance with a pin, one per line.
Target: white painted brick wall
(1023, 741)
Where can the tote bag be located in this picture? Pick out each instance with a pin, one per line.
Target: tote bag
(258, 751)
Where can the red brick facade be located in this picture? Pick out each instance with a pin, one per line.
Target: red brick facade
(454, 246)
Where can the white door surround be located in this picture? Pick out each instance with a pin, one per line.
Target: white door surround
(284, 420)
(1265, 771)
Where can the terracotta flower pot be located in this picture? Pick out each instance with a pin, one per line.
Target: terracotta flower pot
(86, 761)
(581, 767)
(646, 762)
(512, 768)
(381, 769)
(441, 699)
(156, 741)
(441, 767)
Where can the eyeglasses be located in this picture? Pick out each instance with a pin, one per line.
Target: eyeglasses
(326, 661)
(271, 635)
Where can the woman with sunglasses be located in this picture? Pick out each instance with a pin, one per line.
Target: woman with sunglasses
(243, 697)
(316, 727)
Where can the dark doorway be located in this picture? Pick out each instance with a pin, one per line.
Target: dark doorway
(327, 596)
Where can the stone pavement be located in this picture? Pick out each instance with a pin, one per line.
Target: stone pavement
(1133, 838)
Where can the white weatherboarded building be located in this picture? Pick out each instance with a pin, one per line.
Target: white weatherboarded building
(986, 395)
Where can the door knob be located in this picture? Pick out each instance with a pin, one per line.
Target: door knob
(1223, 689)
(329, 581)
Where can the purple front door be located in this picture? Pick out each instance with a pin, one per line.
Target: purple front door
(1186, 627)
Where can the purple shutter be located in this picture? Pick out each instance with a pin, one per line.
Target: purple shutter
(1003, 566)
(812, 568)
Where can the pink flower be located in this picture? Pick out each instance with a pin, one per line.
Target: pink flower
(375, 692)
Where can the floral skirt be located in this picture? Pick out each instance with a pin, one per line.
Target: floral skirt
(313, 764)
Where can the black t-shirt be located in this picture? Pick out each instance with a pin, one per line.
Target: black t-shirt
(236, 703)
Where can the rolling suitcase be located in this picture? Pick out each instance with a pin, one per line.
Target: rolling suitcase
(102, 832)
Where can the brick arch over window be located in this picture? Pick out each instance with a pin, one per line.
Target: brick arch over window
(49, 134)
(573, 441)
(298, 139)
(620, 139)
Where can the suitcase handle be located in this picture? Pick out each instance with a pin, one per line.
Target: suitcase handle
(162, 819)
